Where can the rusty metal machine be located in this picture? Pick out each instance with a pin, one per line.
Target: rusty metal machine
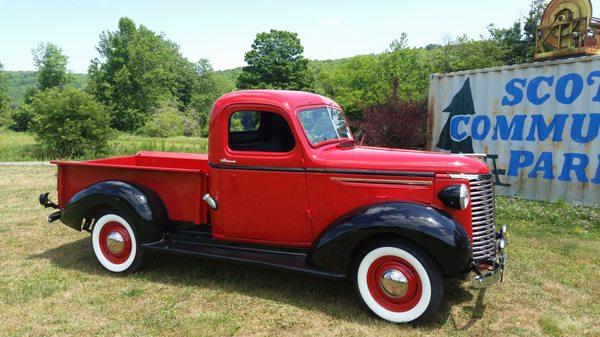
(567, 29)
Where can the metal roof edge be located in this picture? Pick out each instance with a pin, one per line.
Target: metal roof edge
(516, 66)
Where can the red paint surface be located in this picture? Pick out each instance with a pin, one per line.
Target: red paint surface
(395, 304)
(279, 208)
(179, 179)
(371, 158)
(462, 216)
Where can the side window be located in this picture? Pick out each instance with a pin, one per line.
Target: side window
(244, 121)
(261, 131)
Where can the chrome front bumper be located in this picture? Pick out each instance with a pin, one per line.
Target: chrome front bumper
(488, 273)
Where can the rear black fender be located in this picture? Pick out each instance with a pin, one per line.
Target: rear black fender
(141, 205)
(436, 232)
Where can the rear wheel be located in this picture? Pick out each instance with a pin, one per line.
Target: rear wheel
(115, 244)
(398, 282)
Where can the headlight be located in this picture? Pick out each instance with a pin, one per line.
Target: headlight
(455, 196)
(464, 197)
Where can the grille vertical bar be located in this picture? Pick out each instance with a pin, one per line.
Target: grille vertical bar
(484, 228)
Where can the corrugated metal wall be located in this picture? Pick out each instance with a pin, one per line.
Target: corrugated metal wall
(538, 123)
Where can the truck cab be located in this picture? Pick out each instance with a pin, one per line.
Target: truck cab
(285, 185)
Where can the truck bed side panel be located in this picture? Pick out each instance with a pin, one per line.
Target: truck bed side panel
(180, 191)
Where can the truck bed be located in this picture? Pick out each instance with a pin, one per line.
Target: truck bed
(180, 179)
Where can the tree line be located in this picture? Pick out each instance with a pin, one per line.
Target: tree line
(141, 83)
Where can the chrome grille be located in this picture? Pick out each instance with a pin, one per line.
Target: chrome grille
(482, 205)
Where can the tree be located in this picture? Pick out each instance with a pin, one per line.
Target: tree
(513, 49)
(461, 104)
(168, 121)
(355, 83)
(208, 89)
(23, 114)
(137, 70)
(532, 21)
(4, 100)
(368, 80)
(395, 123)
(465, 54)
(275, 62)
(406, 70)
(51, 65)
(69, 123)
(517, 43)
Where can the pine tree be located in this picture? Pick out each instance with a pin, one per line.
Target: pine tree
(462, 104)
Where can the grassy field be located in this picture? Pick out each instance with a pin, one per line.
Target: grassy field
(51, 284)
(20, 146)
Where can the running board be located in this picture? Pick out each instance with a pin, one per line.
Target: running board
(291, 261)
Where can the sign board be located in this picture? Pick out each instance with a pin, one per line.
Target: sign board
(538, 124)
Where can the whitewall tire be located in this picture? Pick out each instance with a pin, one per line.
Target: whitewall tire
(398, 282)
(115, 244)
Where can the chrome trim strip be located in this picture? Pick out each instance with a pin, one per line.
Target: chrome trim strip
(475, 155)
(383, 181)
(464, 176)
(379, 173)
(321, 170)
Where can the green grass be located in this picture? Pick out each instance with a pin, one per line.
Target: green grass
(51, 284)
(20, 146)
(17, 146)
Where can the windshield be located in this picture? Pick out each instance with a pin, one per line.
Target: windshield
(323, 124)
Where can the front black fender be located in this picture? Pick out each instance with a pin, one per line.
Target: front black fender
(140, 205)
(436, 232)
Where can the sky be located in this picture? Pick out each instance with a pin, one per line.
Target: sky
(222, 31)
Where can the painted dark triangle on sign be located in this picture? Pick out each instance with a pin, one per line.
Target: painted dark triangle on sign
(462, 104)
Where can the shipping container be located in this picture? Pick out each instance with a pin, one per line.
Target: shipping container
(537, 123)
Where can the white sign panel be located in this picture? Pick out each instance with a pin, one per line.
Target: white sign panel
(539, 125)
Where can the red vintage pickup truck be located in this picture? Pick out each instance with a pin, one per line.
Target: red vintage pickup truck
(284, 185)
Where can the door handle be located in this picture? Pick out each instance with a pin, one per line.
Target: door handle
(227, 161)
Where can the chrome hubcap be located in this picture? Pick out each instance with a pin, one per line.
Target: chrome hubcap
(394, 283)
(115, 242)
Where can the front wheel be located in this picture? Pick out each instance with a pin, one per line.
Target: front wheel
(399, 282)
(115, 244)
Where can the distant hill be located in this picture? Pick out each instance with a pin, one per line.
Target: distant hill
(229, 76)
(19, 81)
(227, 79)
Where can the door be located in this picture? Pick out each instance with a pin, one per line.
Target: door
(264, 197)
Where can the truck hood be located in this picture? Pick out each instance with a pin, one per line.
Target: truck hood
(384, 159)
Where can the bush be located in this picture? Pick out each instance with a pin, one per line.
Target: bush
(23, 114)
(395, 123)
(168, 121)
(5, 119)
(195, 123)
(68, 123)
(163, 124)
(192, 127)
(22, 118)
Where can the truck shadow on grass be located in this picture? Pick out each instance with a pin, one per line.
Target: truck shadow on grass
(334, 298)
